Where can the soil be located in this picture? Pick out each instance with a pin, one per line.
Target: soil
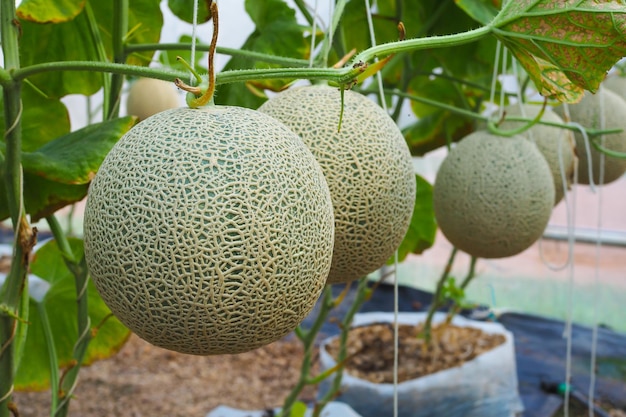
(146, 381)
(370, 350)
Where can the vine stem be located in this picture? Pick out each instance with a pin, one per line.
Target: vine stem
(79, 270)
(436, 303)
(339, 76)
(415, 44)
(11, 293)
(258, 56)
(120, 29)
(362, 294)
(308, 340)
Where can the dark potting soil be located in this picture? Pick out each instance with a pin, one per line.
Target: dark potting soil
(370, 350)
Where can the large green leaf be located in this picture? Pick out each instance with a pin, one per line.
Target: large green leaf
(183, 9)
(565, 46)
(43, 119)
(43, 197)
(74, 158)
(423, 227)
(57, 174)
(49, 11)
(68, 41)
(145, 21)
(60, 305)
(277, 33)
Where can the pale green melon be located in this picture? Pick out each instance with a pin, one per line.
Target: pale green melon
(493, 195)
(555, 144)
(148, 96)
(602, 110)
(368, 168)
(209, 231)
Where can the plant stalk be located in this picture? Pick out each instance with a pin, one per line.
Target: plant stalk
(437, 302)
(79, 270)
(120, 29)
(308, 340)
(257, 56)
(24, 236)
(362, 294)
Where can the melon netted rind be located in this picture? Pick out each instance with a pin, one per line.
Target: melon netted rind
(367, 166)
(555, 144)
(209, 231)
(493, 196)
(603, 110)
(148, 96)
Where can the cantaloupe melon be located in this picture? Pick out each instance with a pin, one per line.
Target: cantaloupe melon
(602, 110)
(148, 96)
(493, 195)
(549, 140)
(209, 231)
(368, 168)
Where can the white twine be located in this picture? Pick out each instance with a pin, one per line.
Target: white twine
(379, 77)
(594, 293)
(194, 28)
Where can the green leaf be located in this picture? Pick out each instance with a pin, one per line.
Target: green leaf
(183, 9)
(60, 305)
(47, 11)
(423, 227)
(565, 46)
(145, 21)
(58, 173)
(68, 41)
(43, 119)
(483, 11)
(277, 33)
(43, 197)
(74, 158)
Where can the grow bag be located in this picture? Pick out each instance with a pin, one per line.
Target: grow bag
(486, 386)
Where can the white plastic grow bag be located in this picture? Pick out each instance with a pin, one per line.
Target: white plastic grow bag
(486, 386)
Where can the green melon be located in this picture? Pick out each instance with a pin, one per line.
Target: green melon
(493, 196)
(148, 96)
(367, 166)
(605, 109)
(551, 141)
(209, 231)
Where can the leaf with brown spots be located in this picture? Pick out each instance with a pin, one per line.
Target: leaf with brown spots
(566, 46)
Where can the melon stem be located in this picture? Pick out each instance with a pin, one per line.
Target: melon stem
(203, 97)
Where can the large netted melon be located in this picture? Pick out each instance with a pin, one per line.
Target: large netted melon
(148, 96)
(602, 110)
(368, 168)
(555, 144)
(493, 195)
(209, 231)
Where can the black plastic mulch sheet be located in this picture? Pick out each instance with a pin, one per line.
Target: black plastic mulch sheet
(540, 346)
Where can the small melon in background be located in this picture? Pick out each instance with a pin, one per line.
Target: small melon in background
(148, 96)
(551, 141)
(493, 196)
(367, 165)
(602, 110)
(209, 231)
(617, 84)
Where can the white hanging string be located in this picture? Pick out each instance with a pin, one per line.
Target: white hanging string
(494, 77)
(313, 32)
(594, 293)
(379, 77)
(194, 28)
(370, 25)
